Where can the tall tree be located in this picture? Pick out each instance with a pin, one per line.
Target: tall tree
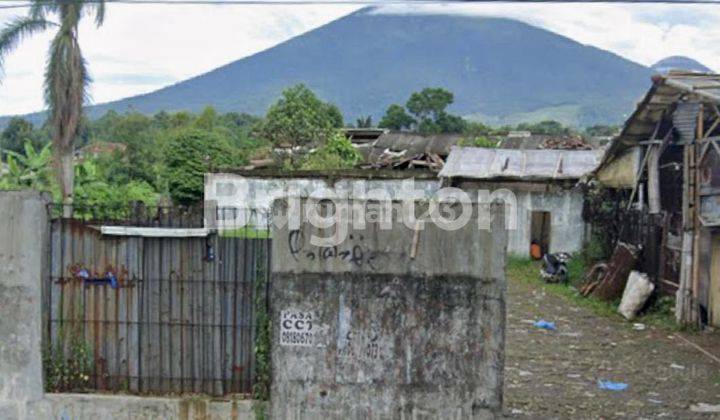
(396, 118)
(429, 103)
(16, 134)
(300, 119)
(66, 76)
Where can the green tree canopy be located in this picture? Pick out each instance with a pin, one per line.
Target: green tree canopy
(429, 115)
(18, 132)
(364, 122)
(338, 152)
(396, 118)
(429, 103)
(190, 154)
(300, 118)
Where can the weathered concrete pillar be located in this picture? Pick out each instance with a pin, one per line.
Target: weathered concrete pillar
(23, 241)
(388, 324)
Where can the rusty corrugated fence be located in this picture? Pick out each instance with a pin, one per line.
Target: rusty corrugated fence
(160, 314)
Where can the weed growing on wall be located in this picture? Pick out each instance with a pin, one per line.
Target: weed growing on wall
(68, 371)
(261, 387)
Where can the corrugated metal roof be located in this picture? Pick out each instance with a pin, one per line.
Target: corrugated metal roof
(482, 163)
(662, 97)
(416, 143)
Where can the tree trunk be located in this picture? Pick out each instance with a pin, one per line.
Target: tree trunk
(66, 178)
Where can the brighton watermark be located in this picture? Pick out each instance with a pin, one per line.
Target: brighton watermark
(335, 212)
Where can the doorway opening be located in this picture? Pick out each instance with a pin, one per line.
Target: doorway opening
(540, 233)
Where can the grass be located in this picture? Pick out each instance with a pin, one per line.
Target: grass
(247, 232)
(660, 313)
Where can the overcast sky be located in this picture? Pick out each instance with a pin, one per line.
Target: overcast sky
(141, 48)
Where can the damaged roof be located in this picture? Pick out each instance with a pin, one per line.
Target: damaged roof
(401, 144)
(482, 163)
(664, 95)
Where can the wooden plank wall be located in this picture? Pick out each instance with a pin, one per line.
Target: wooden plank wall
(176, 322)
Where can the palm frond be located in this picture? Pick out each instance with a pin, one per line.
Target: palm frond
(66, 81)
(99, 9)
(17, 30)
(41, 8)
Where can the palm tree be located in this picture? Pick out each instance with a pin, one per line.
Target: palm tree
(66, 76)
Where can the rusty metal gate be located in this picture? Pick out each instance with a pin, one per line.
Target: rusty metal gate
(157, 314)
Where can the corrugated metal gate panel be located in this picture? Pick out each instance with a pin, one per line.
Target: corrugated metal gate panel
(176, 322)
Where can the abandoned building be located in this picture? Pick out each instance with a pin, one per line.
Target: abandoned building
(544, 183)
(664, 169)
(247, 196)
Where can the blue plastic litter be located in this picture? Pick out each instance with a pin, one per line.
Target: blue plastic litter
(83, 274)
(113, 280)
(612, 386)
(546, 325)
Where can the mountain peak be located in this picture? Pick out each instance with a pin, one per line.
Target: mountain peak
(678, 62)
(502, 71)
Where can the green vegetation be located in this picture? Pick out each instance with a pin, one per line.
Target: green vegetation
(28, 170)
(479, 141)
(262, 349)
(134, 157)
(190, 154)
(660, 314)
(300, 119)
(18, 132)
(68, 372)
(396, 118)
(162, 158)
(429, 115)
(337, 153)
(66, 75)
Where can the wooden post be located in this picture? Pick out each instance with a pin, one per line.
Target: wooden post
(696, 225)
(683, 300)
(653, 185)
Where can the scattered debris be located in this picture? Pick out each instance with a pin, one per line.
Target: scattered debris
(678, 367)
(611, 285)
(637, 291)
(638, 326)
(565, 143)
(392, 160)
(524, 373)
(705, 408)
(545, 325)
(612, 386)
(654, 401)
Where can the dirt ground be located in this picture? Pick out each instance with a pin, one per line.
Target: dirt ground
(555, 374)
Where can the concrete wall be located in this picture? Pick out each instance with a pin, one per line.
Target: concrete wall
(96, 407)
(389, 323)
(23, 258)
(564, 204)
(23, 240)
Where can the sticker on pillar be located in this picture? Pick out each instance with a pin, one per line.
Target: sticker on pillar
(301, 328)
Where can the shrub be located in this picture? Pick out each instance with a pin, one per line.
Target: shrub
(190, 154)
(337, 153)
(68, 372)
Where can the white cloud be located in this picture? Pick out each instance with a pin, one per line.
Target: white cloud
(644, 33)
(167, 42)
(144, 47)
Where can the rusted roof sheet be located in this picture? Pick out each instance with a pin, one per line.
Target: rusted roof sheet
(395, 146)
(482, 163)
(661, 99)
